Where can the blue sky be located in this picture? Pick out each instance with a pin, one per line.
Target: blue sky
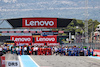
(50, 8)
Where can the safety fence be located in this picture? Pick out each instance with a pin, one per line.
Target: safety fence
(91, 45)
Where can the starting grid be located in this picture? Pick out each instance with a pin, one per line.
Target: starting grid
(27, 61)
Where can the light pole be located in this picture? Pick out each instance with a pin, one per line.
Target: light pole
(86, 22)
(92, 31)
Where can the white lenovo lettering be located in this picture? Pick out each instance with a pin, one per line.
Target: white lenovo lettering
(39, 23)
(45, 39)
(26, 23)
(21, 39)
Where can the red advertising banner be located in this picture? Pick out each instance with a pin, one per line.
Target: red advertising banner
(53, 44)
(2, 61)
(39, 31)
(46, 39)
(21, 39)
(32, 31)
(39, 22)
(18, 31)
(60, 31)
(22, 44)
(37, 44)
(96, 52)
(26, 31)
(4, 31)
(11, 31)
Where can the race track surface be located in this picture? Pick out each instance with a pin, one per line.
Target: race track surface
(60, 61)
(65, 61)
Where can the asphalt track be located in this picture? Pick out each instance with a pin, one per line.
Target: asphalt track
(66, 61)
(60, 61)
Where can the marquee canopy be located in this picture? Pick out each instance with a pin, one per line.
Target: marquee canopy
(39, 22)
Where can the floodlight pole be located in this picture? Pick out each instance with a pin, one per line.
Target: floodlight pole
(86, 23)
(92, 31)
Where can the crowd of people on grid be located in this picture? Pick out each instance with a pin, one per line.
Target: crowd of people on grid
(47, 50)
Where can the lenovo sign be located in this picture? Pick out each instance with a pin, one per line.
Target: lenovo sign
(47, 39)
(39, 22)
(22, 39)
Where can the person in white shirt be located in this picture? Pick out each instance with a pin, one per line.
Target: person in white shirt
(66, 50)
(25, 50)
(55, 50)
(1, 49)
(35, 50)
(17, 50)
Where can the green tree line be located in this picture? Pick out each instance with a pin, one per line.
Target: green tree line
(79, 26)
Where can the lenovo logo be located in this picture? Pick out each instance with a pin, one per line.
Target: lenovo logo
(40, 22)
(45, 39)
(21, 39)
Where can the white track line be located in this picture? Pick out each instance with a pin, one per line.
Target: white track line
(34, 61)
(21, 64)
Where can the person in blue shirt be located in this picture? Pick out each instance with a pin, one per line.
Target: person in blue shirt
(75, 51)
(60, 49)
(85, 51)
(89, 51)
(69, 51)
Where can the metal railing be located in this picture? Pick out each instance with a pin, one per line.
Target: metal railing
(91, 45)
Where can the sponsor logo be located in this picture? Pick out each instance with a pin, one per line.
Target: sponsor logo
(45, 39)
(39, 23)
(37, 43)
(21, 39)
(53, 44)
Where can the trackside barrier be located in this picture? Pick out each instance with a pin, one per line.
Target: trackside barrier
(2, 60)
(96, 52)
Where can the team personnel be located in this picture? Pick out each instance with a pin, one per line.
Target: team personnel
(1, 49)
(49, 50)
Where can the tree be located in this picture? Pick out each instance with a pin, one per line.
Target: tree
(91, 27)
(76, 23)
(80, 24)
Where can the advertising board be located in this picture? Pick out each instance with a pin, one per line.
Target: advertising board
(46, 39)
(39, 22)
(21, 39)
